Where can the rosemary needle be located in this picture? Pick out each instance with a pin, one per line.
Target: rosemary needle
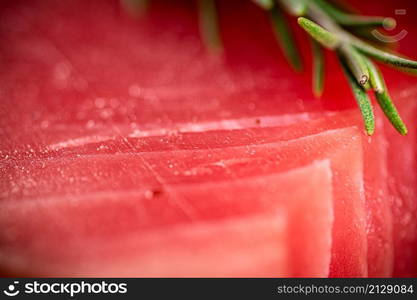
(318, 68)
(265, 4)
(330, 27)
(208, 25)
(323, 22)
(321, 35)
(361, 97)
(388, 107)
(382, 55)
(353, 53)
(384, 99)
(135, 8)
(285, 38)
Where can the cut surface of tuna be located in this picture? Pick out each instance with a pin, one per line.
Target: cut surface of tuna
(158, 172)
(402, 182)
(257, 226)
(82, 125)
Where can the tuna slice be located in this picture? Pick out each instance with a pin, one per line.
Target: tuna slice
(160, 172)
(402, 182)
(127, 149)
(189, 230)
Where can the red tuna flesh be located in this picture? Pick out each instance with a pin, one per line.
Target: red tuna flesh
(121, 139)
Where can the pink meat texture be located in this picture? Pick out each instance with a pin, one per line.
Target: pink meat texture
(128, 149)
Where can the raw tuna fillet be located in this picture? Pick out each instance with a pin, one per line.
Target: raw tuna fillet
(402, 182)
(248, 227)
(127, 149)
(155, 171)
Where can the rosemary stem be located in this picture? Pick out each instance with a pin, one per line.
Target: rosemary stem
(356, 63)
(209, 25)
(322, 18)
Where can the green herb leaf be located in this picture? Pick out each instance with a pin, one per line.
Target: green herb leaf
(389, 109)
(321, 35)
(135, 8)
(336, 29)
(361, 97)
(208, 25)
(265, 4)
(318, 68)
(285, 38)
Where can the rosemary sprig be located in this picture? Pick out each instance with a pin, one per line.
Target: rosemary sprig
(332, 27)
(327, 25)
(285, 37)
